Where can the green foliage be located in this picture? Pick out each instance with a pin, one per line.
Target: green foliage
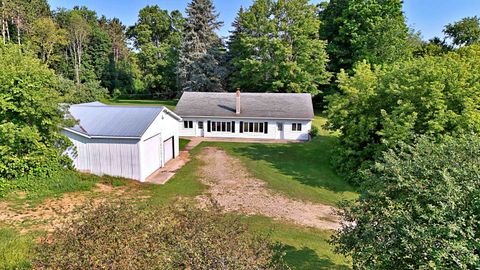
(275, 47)
(30, 116)
(39, 187)
(377, 109)
(201, 62)
(420, 209)
(358, 30)
(178, 236)
(157, 35)
(314, 131)
(464, 32)
(73, 93)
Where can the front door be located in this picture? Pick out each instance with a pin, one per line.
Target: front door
(280, 131)
(200, 128)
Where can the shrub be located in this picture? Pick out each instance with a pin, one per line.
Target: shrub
(178, 236)
(81, 93)
(377, 109)
(314, 131)
(420, 209)
(30, 116)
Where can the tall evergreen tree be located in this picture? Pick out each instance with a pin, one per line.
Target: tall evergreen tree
(202, 55)
(275, 47)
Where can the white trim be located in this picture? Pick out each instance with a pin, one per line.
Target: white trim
(100, 137)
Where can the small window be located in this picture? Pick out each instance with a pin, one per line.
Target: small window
(200, 125)
(260, 128)
(229, 126)
(296, 127)
(214, 126)
(219, 126)
(187, 124)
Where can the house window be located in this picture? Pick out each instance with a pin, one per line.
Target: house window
(255, 127)
(200, 125)
(187, 124)
(297, 127)
(221, 126)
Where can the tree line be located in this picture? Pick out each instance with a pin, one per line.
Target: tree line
(275, 46)
(407, 110)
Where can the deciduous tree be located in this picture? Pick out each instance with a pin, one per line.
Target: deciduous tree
(377, 109)
(420, 209)
(357, 30)
(464, 32)
(275, 47)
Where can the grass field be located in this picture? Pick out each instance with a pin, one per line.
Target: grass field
(300, 171)
(167, 103)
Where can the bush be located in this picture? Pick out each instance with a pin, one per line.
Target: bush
(81, 93)
(178, 236)
(30, 116)
(314, 131)
(377, 109)
(420, 209)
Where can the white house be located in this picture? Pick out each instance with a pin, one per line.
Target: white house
(285, 116)
(125, 141)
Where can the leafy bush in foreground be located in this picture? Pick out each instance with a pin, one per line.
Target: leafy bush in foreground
(420, 209)
(179, 236)
(30, 116)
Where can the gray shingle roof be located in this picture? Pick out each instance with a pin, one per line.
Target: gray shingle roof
(253, 105)
(99, 120)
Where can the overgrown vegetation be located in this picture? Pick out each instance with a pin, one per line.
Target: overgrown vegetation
(30, 117)
(419, 209)
(178, 236)
(380, 108)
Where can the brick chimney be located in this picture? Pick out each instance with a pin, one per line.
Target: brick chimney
(237, 101)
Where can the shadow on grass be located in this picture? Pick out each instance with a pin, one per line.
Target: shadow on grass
(306, 259)
(308, 163)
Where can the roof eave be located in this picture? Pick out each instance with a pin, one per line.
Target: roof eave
(247, 117)
(101, 136)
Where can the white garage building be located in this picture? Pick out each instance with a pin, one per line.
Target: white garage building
(125, 141)
(284, 116)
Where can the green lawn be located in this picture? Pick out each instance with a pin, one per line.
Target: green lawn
(305, 248)
(300, 171)
(167, 103)
(183, 143)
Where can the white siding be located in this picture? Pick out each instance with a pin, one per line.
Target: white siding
(129, 158)
(273, 132)
(151, 157)
(116, 157)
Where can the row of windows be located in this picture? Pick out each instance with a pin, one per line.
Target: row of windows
(255, 127)
(251, 127)
(222, 126)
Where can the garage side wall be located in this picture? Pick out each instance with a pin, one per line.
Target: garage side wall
(151, 145)
(115, 157)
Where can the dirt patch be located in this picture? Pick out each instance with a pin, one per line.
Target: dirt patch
(235, 189)
(53, 212)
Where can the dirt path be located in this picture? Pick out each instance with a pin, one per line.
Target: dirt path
(53, 212)
(235, 190)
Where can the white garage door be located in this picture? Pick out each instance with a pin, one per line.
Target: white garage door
(168, 149)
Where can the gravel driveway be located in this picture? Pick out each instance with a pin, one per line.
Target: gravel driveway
(232, 186)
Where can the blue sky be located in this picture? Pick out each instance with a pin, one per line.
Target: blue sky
(428, 16)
